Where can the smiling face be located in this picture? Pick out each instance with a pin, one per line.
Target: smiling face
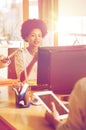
(35, 38)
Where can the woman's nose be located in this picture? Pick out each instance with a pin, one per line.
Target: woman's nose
(36, 37)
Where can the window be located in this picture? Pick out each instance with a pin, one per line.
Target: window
(10, 19)
(72, 22)
(33, 13)
(72, 30)
(33, 8)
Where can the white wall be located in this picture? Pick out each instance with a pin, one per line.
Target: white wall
(72, 7)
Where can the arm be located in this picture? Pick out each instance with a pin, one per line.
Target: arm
(52, 118)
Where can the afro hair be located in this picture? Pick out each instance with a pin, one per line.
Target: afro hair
(31, 24)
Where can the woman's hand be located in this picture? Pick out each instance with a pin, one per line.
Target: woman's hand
(4, 61)
(52, 118)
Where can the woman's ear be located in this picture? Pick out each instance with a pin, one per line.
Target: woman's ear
(26, 39)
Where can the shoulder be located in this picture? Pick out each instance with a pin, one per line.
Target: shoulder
(21, 52)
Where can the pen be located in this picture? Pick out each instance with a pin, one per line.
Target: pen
(24, 88)
(16, 91)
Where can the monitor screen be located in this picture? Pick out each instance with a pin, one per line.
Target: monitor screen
(60, 67)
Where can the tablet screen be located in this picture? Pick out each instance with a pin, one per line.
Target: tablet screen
(48, 98)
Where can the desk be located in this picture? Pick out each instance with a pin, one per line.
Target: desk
(31, 118)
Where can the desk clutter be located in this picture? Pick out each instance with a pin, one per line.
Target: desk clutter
(23, 95)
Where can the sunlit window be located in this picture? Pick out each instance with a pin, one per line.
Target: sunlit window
(33, 8)
(72, 30)
(10, 19)
(72, 22)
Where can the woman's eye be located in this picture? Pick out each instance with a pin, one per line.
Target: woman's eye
(33, 35)
(36, 35)
(40, 36)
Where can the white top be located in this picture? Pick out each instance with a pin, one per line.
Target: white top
(22, 59)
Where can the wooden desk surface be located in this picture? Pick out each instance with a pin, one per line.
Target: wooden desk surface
(31, 118)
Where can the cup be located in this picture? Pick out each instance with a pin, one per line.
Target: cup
(21, 102)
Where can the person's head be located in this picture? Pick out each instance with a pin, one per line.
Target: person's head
(33, 31)
(77, 104)
(78, 93)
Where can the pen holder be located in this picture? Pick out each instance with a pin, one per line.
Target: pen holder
(21, 101)
(23, 95)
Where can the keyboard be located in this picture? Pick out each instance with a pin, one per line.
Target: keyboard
(39, 87)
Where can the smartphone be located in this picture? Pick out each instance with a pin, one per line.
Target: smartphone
(46, 97)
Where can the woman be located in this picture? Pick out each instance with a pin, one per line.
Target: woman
(33, 31)
(77, 110)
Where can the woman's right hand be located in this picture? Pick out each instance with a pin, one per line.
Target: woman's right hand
(52, 118)
(4, 61)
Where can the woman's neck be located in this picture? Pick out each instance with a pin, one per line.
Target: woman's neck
(32, 50)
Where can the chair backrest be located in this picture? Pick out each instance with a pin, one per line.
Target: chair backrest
(11, 67)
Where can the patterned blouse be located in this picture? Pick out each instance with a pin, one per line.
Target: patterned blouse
(22, 60)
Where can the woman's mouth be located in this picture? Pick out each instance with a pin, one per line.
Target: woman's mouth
(36, 42)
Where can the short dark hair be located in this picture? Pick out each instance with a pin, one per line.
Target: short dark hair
(30, 24)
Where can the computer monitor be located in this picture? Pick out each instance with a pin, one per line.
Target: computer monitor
(60, 67)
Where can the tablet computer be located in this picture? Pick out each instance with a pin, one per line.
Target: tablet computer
(46, 97)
